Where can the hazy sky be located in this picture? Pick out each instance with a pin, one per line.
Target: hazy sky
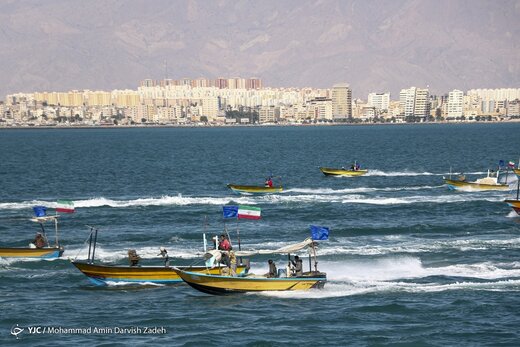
(374, 46)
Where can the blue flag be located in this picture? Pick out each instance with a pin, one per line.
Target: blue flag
(230, 211)
(319, 233)
(39, 211)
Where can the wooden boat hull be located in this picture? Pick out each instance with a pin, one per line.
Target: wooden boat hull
(514, 204)
(463, 185)
(254, 189)
(221, 285)
(43, 253)
(327, 171)
(102, 274)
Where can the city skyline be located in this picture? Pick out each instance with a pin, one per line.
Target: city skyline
(374, 46)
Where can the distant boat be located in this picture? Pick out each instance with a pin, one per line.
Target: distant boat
(327, 171)
(46, 251)
(267, 188)
(240, 189)
(490, 182)
(103, 274)
(220, 285)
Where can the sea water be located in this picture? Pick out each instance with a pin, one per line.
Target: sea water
(408, 261)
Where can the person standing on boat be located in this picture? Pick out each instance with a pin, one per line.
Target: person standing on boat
(224, 244)
(133, 258)
(273, 272)
(297, 266)
(39, 241)
(164, 254)
(269, 182)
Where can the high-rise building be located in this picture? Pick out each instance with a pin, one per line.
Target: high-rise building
(455, 103)
(415, 102)
(341, 102)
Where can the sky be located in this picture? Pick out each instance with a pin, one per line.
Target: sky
(375, 46)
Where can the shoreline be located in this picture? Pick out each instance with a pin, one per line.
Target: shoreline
(151, 126)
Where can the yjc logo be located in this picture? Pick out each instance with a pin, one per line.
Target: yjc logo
(16, 330)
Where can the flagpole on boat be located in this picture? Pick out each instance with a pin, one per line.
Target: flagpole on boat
(56, 229)
(238, 236)
(315, 257)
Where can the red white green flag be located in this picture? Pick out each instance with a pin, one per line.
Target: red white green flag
(65, 206)
(248, 212)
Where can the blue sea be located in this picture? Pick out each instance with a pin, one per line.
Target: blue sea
(409, 263)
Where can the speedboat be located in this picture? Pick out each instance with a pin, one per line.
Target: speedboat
(490, 182)
(103, 274)
(328, 171)
(44, 251)
(249, 282)
(241, 189)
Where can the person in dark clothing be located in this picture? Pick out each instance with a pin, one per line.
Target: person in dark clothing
(133, 258)
(298, 266)
(273, 272)
(39, 241)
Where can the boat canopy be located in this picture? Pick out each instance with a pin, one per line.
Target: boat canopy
(283, 250)
(214, 256)
(44, 219)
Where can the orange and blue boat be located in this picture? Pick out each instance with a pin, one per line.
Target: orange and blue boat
(103, 274)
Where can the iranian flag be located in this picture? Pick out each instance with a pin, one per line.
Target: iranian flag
(65, 206)
(248, 212)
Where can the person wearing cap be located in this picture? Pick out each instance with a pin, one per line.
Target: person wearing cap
(164, 254)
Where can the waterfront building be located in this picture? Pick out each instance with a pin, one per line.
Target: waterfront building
(380, 101)
(320, 109)
(341, 102)
(455, 103)
(414, 102)
(210, 107)
(268, 114)
(513, 108)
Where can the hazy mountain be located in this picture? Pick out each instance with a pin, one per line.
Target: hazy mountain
(373, 45)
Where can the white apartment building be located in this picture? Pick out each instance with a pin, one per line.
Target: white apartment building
(415, 102)
(380, 101)
(455, 103)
